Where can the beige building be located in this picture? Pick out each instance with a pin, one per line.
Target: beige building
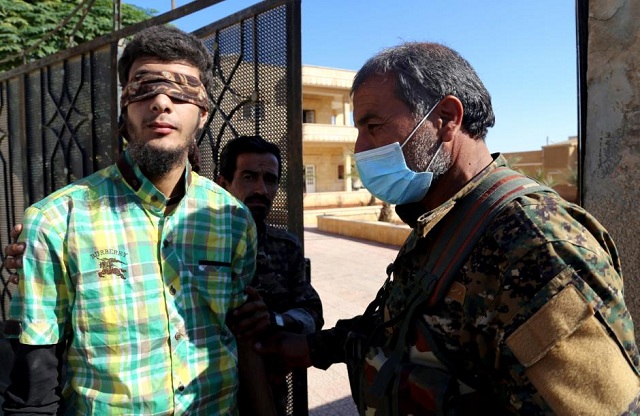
(555, 165)
(328, 134)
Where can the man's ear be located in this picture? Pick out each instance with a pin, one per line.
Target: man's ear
(204, 115)
(122, 124)
(222, 182)
(450, 114)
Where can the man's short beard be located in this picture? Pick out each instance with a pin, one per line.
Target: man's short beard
(154, 162)
(441, 163)
(423, 149)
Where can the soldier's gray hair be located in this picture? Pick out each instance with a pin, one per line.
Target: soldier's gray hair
(425, 73)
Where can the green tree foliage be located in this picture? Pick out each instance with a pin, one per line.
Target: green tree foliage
(32, 29)
(545, 178)
(572, 176)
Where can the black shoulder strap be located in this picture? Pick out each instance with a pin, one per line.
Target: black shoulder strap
(467, 221)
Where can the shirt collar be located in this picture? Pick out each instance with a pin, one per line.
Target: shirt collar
(142, 186)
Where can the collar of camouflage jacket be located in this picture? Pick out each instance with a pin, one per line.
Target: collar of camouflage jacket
(425, 221)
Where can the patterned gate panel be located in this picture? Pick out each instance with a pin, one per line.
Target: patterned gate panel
(253, 95)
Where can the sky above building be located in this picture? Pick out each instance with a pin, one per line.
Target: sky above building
(524, 51)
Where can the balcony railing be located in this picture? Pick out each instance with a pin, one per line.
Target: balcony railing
(313, 132)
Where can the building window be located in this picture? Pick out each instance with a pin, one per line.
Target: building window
(308, 116)
(340, 171)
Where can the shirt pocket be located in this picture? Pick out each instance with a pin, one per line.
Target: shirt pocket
(102, 311)
(214, 284)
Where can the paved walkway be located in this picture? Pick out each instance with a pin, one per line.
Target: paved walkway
(347, 274)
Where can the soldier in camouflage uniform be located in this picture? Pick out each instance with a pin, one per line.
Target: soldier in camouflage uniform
(280, 296)
(534, 322)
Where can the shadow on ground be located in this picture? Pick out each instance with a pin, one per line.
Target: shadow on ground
(342, 407)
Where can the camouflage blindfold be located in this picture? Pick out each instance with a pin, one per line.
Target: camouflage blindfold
(181, 87)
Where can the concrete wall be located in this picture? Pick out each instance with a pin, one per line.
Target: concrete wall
(611, 176)
(371, 230)
(321, 200)
(322, 105)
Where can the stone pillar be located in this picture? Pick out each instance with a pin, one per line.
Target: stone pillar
(347, 172)
(347, 110)
(611, 129)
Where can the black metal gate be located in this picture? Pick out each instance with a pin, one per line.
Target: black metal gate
(58, 117)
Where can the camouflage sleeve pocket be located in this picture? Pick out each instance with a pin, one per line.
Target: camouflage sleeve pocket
(571, 359)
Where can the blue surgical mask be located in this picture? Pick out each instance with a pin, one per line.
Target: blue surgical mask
(384, 172)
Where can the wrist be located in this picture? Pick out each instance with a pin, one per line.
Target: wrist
(315, 357)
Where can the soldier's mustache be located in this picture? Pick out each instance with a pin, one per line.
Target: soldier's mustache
(258, 198)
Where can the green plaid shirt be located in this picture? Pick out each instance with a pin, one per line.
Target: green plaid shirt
(145, 294)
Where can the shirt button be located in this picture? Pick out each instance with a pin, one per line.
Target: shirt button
(154, 198)
(178, 336)
(172, 290)
(180, 387)
(166, 243)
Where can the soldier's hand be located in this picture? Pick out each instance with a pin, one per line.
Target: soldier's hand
(251, 319)
(291, 348)
(13, 253)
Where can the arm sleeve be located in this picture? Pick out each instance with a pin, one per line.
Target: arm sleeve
(243, 261)
(307, 308)
(41, 303)
(35, 387)
(39, 311)
(565, 294)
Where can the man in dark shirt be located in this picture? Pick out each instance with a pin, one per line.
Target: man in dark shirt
(250, 170)
(280, 296)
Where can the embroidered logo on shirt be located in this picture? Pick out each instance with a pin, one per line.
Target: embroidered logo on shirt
(108, 267)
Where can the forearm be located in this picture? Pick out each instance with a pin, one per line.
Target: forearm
(254, 383)
(35, 380)
(328, 346)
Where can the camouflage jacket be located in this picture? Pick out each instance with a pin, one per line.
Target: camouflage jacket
(281, 279)
(534, 322)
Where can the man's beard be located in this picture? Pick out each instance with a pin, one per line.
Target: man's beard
(259, 213)
(422, 149)
(156, 162)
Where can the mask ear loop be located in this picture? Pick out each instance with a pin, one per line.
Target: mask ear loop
(419, 124)
(434, 156)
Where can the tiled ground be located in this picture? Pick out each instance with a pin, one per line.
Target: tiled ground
(347, 274)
